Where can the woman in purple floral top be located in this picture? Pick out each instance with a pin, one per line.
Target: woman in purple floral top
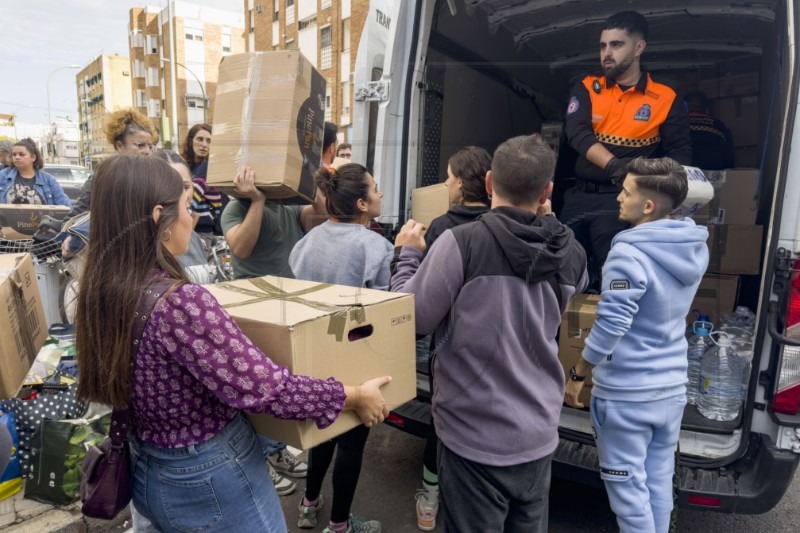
(197, 464)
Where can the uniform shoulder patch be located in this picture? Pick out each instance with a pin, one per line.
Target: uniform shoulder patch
(573, 105)
(620, 285)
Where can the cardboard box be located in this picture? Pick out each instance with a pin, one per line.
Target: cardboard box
(429, 202)
(269, 114)
(23, 328)
(324, 330)
(734, 248)
(715, 297)
(576, 324)
(21, 221)
(735, 196)
(741, 116)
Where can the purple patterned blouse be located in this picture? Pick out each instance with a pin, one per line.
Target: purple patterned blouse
(195, 370)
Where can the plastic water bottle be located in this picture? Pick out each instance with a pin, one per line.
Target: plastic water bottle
(720, 381)
(741, 317)
(699, 343)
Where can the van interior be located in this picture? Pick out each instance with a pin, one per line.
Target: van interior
(500, 68)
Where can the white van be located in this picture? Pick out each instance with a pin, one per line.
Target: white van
(436, 75)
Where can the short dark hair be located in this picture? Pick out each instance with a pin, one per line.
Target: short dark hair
(343, 146)
(630, 21)
(664, 176)
(342, 188)
(32, 149)
(329, 136)
(470, 165)
(522, 167)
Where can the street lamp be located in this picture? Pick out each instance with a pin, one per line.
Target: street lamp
(49, 114)
(202, 88)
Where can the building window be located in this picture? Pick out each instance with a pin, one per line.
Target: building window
(137, 40)
(304, 24)
(152, 44)
(193, 34)
(139, 98)
(226, 43)
(325, 4)
(345, 118)
(152, 77)
(153, 108)
(346, 35)
(138, 68)
(252, 21)
(325, 48)
(289, 12)
(276, 16)
(328, 111)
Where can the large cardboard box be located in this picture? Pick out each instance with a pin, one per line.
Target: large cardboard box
(269, 114)
(324, 330)
(715, 297)
(429, 202)
(21, 221)
(734, 248)
(735, 196)
(576, 324)
(23, 328)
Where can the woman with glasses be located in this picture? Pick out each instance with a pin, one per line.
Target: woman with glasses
(130, 133)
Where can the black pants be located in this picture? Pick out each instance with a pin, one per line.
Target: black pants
(594, 217)
(479, 498)
(345, 471)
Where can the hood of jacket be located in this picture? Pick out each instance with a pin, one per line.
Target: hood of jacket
(678, 246)
(460, 214)
(536, 247)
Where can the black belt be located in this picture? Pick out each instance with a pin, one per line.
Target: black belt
(592, 187)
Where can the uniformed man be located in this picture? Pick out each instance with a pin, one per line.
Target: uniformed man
(612, 118)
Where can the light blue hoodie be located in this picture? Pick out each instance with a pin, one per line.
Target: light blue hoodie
(649, 281)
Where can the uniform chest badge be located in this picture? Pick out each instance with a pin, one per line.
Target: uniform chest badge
(573, 105)
(643, 113)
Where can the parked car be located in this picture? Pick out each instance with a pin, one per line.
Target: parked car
(70, 177)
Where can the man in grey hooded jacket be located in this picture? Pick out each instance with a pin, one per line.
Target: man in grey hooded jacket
(494, 291)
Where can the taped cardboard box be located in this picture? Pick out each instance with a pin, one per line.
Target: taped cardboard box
(715, 297)
(576, 324)
(735, 196)
(23, 328)
(429, 202)
(324, 330)
(269, 114)
(21, 221)
(734, 248)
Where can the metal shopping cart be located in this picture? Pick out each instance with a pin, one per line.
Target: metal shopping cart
(49, 271)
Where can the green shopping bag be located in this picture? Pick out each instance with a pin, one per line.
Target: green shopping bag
(57, 451)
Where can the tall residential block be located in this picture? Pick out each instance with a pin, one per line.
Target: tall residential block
(327, 32)
(103, 85)
(184, 42)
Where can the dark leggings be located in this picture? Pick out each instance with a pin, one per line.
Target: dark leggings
(345, 471)
(431, 447)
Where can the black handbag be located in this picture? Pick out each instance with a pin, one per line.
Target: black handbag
(106, 483)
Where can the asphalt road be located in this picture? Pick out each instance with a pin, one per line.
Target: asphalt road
(393, 468)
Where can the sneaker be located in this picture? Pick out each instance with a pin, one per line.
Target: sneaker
(427, 508)
(359, 524)
(308, 515)
(283, 486)
(287, 464)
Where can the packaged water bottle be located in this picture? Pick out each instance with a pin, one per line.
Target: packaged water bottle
(720, 381)
(742, 317)
(699, 343)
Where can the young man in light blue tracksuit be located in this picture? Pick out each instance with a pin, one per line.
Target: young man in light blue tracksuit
(637, 346)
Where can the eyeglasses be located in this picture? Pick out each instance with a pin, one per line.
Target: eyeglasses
(345, 155)
(142, 146)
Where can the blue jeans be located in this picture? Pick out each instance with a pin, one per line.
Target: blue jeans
(636, 442)
(219, 485)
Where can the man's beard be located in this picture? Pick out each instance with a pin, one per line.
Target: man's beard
(617, 69)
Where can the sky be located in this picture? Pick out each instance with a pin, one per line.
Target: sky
(39, 36)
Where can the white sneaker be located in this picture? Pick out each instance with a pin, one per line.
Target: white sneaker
(283, 486)
(287, 464)
(427, 509)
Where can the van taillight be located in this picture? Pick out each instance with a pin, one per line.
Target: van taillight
(787, 397)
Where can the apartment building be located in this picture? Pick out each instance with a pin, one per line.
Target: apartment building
(327, 32)
(184, 42)
(103, 85)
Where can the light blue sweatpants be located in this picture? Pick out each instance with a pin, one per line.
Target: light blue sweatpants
(636, 443)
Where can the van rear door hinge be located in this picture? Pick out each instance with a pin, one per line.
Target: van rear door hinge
(789, 439)
(373, 91)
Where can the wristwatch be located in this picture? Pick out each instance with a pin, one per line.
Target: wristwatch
(574, 375)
